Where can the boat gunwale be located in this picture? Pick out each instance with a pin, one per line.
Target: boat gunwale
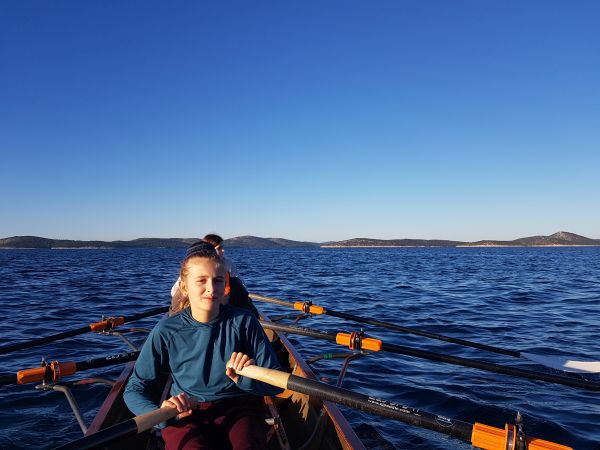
(115, 392)
(339, 421)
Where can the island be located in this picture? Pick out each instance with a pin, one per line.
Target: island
(559, 239)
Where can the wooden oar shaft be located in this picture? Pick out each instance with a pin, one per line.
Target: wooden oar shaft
(432, 356)
(130, 427)
(82, 330)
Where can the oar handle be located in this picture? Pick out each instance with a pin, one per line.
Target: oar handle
(146, 421)
(270, 376)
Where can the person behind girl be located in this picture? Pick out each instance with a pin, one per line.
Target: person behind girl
(202, 347)
(217, 242)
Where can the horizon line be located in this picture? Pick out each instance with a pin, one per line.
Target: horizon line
(296, 240)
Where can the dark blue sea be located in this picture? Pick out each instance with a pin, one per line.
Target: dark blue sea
(544, 300)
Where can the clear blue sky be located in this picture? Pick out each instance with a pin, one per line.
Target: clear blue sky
(308, 120)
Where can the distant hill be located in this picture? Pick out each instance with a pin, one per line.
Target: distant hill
(38, 242)
(559, 238)
(366, 242)
(562, 238)
(258, 242)
(239, 242)
(156, 243)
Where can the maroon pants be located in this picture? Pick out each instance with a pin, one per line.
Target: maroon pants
(235, 423)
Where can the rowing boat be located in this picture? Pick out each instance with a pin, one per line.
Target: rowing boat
(301, 417)
(296, 420)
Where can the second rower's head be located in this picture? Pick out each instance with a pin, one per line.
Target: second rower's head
(216, 241)
(203, 279)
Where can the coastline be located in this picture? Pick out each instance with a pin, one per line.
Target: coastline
(457, 246)
(326, 246)
(558, 239)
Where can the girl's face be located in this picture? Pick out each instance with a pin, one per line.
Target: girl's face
(204, 285)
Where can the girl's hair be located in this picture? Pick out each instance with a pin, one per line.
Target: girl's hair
(213, 239)
(200, 248)
(183, 301)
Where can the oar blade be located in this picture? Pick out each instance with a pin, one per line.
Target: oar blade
(564, 363)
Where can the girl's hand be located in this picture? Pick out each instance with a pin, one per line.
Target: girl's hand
(237, 362)
(181, 402)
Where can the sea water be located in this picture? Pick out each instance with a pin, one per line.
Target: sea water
(542, 300)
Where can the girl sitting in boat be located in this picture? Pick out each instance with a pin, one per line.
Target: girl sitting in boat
(202, 347)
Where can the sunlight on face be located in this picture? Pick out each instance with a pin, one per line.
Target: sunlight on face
(204, 285)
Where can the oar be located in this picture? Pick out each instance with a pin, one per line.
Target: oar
(555, 362)
(55, 370)
(104, 325)
(130, 427)
(357, 342)
(479, 435)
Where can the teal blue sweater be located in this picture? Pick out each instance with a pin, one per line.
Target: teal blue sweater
(195, 354)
